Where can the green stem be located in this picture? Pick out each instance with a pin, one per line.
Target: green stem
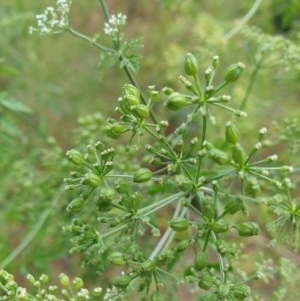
(32, 234)
(204, 126)
(250, 86)
(90, 40)
(244, 20)
(127, 71)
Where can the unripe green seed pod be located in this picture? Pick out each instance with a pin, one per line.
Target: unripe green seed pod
(157, 296)
(92, 179)
(141, 111)
(201, 261)
(114, 130)
(240, 292)
(184, 183)
(234, 205)
(238, 155)
(142, 175)
(219, 156)
(219, 226)
(247, 229)
(131, 94)
(75, 156)
(223, 290)
(233, 72)
(122, 281)
(176, 101)
(107, 194)
(148, 266)
(104, 206)
(191, 64)
(232, 134)
(207, 205)
(76, 205)
(182, 245)
(206, 281)
(179, 224)
(117, 258)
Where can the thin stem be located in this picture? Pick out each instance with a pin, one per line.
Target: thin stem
(244, 20)
(90, 40)
(32, 234)
(250, 86)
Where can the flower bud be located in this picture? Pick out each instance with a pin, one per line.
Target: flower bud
(223, 291)
(75, 157)
(247, 229)
(64, 279)
(184, 183)
(176, 101)
(76, 205)
(191, 64)
(122, 281)
(233, 72)
(232, 134)
(142, 175)
(114, 130)
(179, 224)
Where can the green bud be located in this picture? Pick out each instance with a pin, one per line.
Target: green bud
(219, 156)
(114, 130)
(176, 101)
(240, 292)
(207, 205)
(142, 175)
(232, 134)
(64, 279)
(223, 290)
(92, 179)
(219, 226)
(184, 183)
(182, 245)
(233, 72)
(179, 224)
(78, 283)
(157, 296)
(191, 64)
(148, 266)
(104, 206)
(167, 91)
(122, 281)
(247, 229)
(238, 155)
(206, 281)
(75, 157)
(141, 111)
(201, 261)
(117, 258)
(234, 205)
(76, 205)
(131, 94)
(107, 194)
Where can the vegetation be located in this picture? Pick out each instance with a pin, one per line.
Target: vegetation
(149, 158)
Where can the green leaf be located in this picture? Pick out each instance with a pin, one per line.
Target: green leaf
(12, 104)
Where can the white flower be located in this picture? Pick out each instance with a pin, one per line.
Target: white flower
(115, 25)
(53, 20)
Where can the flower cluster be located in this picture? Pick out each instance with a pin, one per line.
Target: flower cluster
(53, 20)
(115, 25)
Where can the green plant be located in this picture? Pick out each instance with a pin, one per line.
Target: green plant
(165, 209)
